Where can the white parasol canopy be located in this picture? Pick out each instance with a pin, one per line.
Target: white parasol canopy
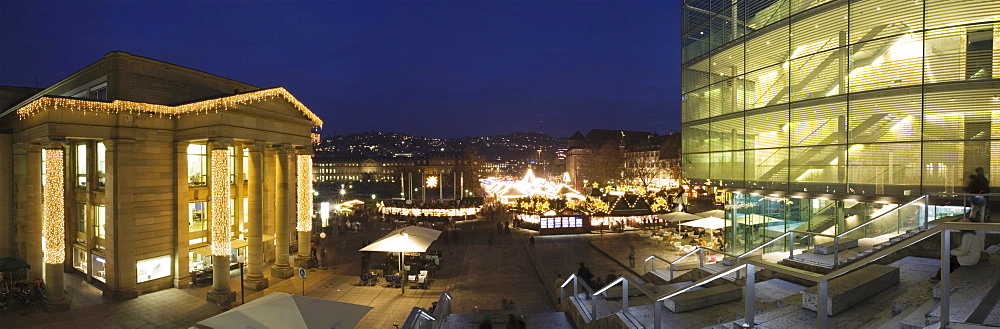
(402, 242)
(709, 223)
(415, 231)
(282, 310)
(712, 213)
(678, 217)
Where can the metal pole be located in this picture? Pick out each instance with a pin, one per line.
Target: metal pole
(749, 300)
(624, 295)
(821, 306)
(945, 278)
(791, 246)
(242, 292)
(657, 314)
(701, 257)
(836, 250)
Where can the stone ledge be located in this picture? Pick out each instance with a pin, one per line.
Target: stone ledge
(852, 288)
(828, 248)
(696, 299)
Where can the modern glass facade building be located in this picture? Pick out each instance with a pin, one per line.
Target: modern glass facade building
(852, 99)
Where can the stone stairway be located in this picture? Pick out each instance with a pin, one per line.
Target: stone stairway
(823, 264)
(975, 292)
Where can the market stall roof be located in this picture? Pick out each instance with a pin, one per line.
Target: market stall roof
(282, 310)
(630, 205)
(709, 223)
(678, 217)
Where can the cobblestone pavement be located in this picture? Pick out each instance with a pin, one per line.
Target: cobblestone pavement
(479, 268)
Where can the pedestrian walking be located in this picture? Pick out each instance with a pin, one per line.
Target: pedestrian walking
(631, 257)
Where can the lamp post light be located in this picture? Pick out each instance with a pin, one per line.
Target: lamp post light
(242, 260)
(322, 253)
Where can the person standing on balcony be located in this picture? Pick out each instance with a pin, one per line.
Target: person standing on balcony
(978, 184)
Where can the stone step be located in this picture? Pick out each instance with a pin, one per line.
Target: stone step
(970, 286)
(853, 288)
(696, 299)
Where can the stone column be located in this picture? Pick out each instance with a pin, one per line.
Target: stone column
(6, 194)
(281, 268)
(220, 195)
(255, 252)
(119, 191)
(303, 204)
(33, 229)
(182, 273)
(54, 226)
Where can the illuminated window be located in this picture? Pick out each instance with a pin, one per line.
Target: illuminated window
(81, 165)
(197, 164)
(246, 163)
(152, 268)
(232, 166)
(979, 53)
(99, 224)
(80, 260)
(197, 221)
(99, 273)
(101, 163)
(81, 217)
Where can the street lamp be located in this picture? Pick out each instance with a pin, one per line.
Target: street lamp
(241, 259)
(322, 253)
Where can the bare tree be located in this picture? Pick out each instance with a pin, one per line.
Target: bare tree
(604, 164)
(641, 169)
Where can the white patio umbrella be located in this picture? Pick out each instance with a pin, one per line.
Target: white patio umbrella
(402, 243)
(678, 217)
(708, 223)
(415, 231)
(282, 310)
(712, 213)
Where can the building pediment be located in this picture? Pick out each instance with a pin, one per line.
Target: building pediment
(227, 103)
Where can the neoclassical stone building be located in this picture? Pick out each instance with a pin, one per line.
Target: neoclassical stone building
(133, 172)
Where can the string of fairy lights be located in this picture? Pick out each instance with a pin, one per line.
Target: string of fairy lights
(304, 193)
(130, 107)
(54, 226)
(221, 220)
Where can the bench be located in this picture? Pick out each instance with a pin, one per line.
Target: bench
(696, 299)
(852, 288)
(828, 248)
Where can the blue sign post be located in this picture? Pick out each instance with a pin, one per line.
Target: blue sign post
(302, 274)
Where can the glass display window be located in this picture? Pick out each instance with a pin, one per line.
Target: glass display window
(99, 266)
(80, 259)
(152, 268)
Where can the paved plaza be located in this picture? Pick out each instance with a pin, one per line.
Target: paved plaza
(477, 270)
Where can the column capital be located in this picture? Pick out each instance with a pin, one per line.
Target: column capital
(282, 148)
(33, 146)
(220, 143)
(255, 146)
(303, 150)
(53, 142)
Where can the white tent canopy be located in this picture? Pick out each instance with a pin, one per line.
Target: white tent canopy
(401, 242)
(709, 223)
(415, 231)
(282, 310)
(678, 217)
(712, 213)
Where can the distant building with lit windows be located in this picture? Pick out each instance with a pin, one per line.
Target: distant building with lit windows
(137, 174)
(397, 177)
(808, 110)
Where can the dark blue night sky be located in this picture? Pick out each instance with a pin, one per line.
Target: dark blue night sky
(439, 69)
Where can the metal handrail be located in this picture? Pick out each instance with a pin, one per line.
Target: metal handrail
(652, 261)
(576, 291)
(815, 277)
(923, 197)
(418, 319)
